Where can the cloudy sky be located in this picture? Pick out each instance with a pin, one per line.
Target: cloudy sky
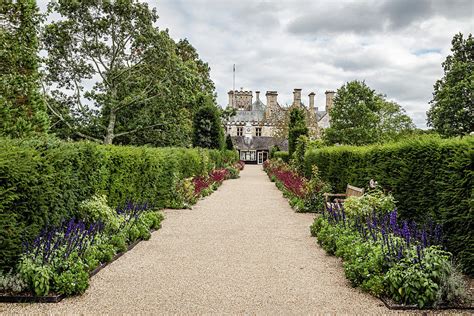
(396, 46)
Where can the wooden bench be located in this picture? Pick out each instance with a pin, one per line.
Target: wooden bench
(339, 197)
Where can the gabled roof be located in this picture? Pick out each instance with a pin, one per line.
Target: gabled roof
(258, 105)
(259, 143)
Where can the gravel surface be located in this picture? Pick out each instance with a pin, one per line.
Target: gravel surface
(240, 250)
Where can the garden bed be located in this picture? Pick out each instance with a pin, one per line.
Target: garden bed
(390, 304)
(28, 297)
(303, 195)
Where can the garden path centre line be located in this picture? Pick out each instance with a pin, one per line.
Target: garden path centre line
(240, 250)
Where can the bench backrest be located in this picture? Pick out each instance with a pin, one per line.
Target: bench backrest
(354, 191)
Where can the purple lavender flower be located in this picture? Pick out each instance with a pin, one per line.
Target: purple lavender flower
(406, 232)
(393, 221)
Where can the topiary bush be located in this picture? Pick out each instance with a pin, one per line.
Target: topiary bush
(429, 177)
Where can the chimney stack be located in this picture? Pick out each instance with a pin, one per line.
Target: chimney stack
(311, 101)
(297, 97)
(329, 99)
(231, 99)
(271, 103)
(257, 95)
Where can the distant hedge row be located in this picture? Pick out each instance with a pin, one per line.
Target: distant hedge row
(284, 155)
(429, 178)
(43, 181)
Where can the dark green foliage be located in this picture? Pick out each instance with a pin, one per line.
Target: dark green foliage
(361, 116)
(283, 155)
(298, 157)
(296, 128)
(228, 143)
(452, 107)
(428, 177)
(44, 181)
(273, 150)
(22, 110)
(208, 131)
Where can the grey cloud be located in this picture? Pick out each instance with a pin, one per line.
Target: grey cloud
(402, 13)
(362, 17)
(354, 17)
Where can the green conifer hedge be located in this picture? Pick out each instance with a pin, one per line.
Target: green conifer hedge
(429, 177)
(43, 181)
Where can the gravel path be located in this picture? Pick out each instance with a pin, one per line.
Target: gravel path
(240, 250)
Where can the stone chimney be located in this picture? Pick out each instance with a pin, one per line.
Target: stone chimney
(329, 99)
(297, 97)
(272, 103)
(257, 95)
(311, 101)
(231, 99)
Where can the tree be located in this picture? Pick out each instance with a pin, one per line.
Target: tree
(452, 107)
(360, 116)
(23, 110)
(394, 122)
(207, 125)
(122, 79)
(228, 143)
(296, 128)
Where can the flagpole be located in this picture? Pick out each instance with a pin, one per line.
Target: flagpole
(233, 78)
(233, 85)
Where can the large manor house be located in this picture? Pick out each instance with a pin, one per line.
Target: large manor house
(255, 127)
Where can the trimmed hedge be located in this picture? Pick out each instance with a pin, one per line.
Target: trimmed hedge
(429, 177)
(43, 181)
(284, 155)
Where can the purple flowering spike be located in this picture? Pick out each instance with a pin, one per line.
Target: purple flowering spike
(406, 232)
(418, 252)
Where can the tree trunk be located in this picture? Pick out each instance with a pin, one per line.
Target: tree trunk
(109, 137)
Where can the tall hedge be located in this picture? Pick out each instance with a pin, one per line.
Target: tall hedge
(429, 177)
(43, 181)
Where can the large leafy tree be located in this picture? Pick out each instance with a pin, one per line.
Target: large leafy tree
(361, 116)
(122, 79)
(296, 128)
(207, 124)
(452, 107)
(22, 110)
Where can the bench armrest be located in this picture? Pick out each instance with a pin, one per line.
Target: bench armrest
(335, 194)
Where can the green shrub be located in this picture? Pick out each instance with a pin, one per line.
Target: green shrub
(418, 283)
(317, 225)
(43, 181)
(298, 160)
(363, 206)
(36, 276)
(273, 150)
(314, 198)
(283, 155)
(95, 209)
(10, 282)
(72, 277)
(428, 177)
(296, 128)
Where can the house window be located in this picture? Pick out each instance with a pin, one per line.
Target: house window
(248, 155)
(258, 131)
(240, 131)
